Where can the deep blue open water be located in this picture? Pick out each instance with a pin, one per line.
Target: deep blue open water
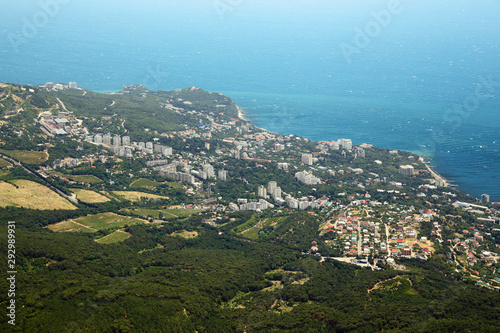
(423, 78)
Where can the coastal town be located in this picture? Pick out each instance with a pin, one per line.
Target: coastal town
(377, 206)
(144, 199)
(235, 166)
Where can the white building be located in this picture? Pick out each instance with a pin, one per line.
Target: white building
(223, 175)
(126, 140)
(307, 178)
(406, 170)
(307, 159)
(234, 207)
(303, 204)
(261, 191)
(236, 154)
(279, 147)
(254, 206)
(117, 140)
(271, 186)
(283, 166)
(209, 170)
(277, 192)
(183, 177)
(345, 143)
(167, 151)
(157, 148)
(292, 202)
(106, 139)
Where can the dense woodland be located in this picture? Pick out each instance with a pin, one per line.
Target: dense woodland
(219, 282)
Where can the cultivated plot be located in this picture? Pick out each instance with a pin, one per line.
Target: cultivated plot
(28, 194)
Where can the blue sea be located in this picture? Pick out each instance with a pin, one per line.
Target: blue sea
(422, 76)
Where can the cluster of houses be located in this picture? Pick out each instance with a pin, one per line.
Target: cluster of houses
(357, 237)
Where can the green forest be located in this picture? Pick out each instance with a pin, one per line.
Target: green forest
(219, 282)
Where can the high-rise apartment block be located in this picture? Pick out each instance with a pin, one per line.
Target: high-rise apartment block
(307, 159)
(223, 175)
(209, 170)
(126, 140)
(485, 198)
(406, 170)
(117, 140)
(345, 143)
(106, 139)
(271, 186)
(261, 191)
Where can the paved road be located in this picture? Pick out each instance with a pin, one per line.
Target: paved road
(350, 260)
(359, 238)
(62, 104)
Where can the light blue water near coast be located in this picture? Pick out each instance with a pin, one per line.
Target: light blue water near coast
(283, 63)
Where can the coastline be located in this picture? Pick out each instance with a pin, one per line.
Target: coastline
(241, 114)
(438, 178)
(443, 182)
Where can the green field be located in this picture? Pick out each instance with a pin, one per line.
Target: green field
(401, 285)
(247, 225)
(136, 196)
(86, 179)
(80, 178)
(25, 156)
(167, 213)
(88, 196)
(93, 223)
(115, 237)
(144, 183)
(252, 228)
(174, 185)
